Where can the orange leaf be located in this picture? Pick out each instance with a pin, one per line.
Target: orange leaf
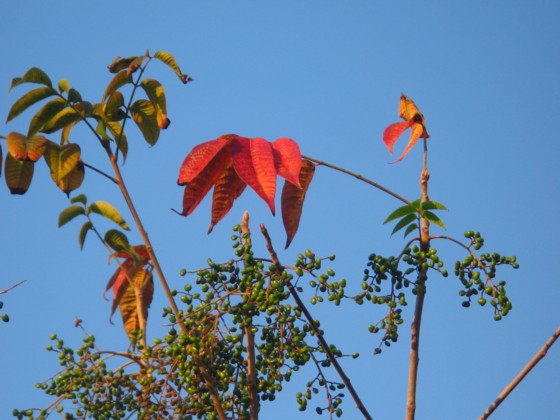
(292, 200)
(197, 188)
(227, 189)
(140, 294)
(393, 132)
(287, 159)
(200, 157)
(416, 133)
(24, 148)
(254, 163)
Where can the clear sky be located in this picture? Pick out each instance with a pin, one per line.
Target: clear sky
(329, 75)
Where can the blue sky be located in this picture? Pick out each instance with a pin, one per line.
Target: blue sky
(329, 75)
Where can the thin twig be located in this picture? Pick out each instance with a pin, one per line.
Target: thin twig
(314, 326)
(93, 168)
(360, 177)
(12, 287)
(524, 372)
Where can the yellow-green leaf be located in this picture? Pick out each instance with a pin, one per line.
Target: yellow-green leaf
(43, 116)
(86, 227)
(156, 94)
(144, 115)
(73, 180)
(68, 116)
(33, 75)
(29, 99)
(69, 214)
(61, 160)
(170, 61)
(80, 198)
(117, 240)
(107, 210)
(120, 79)
(18, 174)
(119, 135)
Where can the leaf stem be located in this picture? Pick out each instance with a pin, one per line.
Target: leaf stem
(314, 326)
(93, 168)
(360, 177)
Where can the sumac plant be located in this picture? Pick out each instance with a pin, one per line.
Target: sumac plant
(237, 329)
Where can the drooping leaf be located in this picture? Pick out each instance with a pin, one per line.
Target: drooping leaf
(61, 160)
(417, 131)
(144, 115)
(156, 94)
(408, 111)
(43, 116)
(287, 158)
(113, 107)
(18, 174)
(400, 212)
(107, 210)
(201, 156)
(29, 99)
(69, 214)
(411, 228)
(33, 75)
(122, 78)
(227, 189)
(393, 132)
(24, 148)
(293, 198)
(432, 217)
(254, 163)
(119, 135)
(135, 64)
(86, 227)
(197, 189)
(405, 221)
(170, 61)
(65, 117)
(117, 240)
(136, 298)
(73, 180)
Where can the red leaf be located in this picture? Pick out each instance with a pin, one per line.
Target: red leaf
(200, 157)
(292, 200)
(417, 130)
(254, 163)
(227, 189)
(287, 159)
(197, 189)
(393, 132)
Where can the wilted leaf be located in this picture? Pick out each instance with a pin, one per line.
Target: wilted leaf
(254, 163)
(107, 210)
(287, 158)
(200, 157)
(119, 64)
(29, 99)
(117, 82)
(170, 61)
(227, 189)
(24, 148)
(86, 227)
(135, 299)
(69, 214)
(18, 174)
(293, 198)
(393, 132)
(135, 64)
(33, 75)
(144, 115)
(117, 240)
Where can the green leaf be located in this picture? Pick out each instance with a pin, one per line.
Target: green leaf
(74, 96)
(107, 210)
(64, 118)
(33, 75)
(63, 85)
(434, 219)
(120, 79)
(117, 240)
(400, 212)
(114, 104)
(156, 94)
(43, 116)
(61, 160)
(86, 227)
(18, 174)
(144, 115)
(120, 137)
(170, 61)
(29, 99)
(69, 214)
(432, 205)
(410, 228)
(406, 220)
(80, 198)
